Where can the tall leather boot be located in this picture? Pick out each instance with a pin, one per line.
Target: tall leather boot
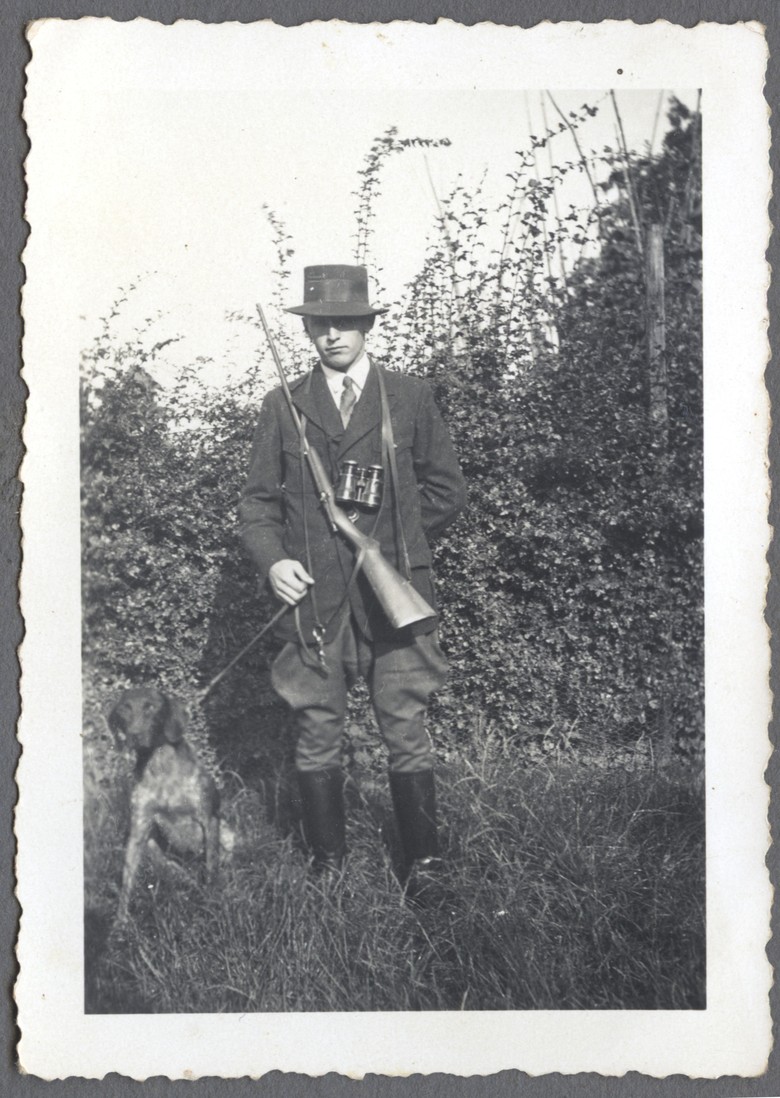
(322, 801)
(414, 801)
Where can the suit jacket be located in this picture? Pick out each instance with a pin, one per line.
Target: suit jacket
(279, 505)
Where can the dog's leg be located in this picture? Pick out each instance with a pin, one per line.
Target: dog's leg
(140, 828)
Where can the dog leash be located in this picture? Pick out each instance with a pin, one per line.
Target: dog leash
(204, 693)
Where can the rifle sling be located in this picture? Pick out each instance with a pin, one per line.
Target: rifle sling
(388, 449)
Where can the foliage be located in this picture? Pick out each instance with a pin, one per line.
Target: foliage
(573, 606)
(571, 611)
(571, 592)
(168, 595)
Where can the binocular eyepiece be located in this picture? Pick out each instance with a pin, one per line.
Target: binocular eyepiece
(360, 485)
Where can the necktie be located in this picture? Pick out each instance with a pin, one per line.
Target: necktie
(348, 400)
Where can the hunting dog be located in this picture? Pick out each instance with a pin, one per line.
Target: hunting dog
(171, 787)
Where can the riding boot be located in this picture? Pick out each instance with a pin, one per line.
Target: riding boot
(414, 801)
(322, 800)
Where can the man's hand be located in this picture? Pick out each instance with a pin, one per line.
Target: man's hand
(289, 581)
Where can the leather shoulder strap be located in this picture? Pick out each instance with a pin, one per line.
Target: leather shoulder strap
(388, 446)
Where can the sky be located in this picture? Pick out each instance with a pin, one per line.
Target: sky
(161, 146)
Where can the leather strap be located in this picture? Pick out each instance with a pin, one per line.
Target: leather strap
(388, 448)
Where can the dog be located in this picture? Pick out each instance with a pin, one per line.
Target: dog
(171, 787)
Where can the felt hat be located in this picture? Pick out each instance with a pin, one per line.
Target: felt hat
(335, 290)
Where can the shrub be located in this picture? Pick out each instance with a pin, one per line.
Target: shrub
(571, 592)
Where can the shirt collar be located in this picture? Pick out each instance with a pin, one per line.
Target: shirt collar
(358, 372)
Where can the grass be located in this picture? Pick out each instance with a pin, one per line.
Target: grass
(569, 886)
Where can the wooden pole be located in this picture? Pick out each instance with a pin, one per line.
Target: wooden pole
(659, 418)
(633, 205)
(655, 123)
(656, 330)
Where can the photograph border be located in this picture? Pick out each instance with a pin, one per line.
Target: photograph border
(358, 13)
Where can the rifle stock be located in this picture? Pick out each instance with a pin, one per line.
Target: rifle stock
(402, 604)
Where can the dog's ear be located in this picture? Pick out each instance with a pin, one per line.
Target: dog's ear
(174, 721)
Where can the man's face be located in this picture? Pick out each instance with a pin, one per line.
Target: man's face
(339, 339)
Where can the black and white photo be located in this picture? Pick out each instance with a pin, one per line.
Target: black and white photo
(396, 444)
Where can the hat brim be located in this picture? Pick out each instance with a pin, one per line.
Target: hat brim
(335, 308)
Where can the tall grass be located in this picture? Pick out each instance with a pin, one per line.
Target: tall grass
(567, 887)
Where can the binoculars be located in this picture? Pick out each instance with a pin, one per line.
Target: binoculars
(360, 485)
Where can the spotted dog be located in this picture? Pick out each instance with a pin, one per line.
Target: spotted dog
(171, 787)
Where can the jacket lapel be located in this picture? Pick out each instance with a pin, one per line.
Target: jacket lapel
(368, 410)
(312, 397)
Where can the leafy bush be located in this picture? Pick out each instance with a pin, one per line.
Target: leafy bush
(571, 606)
(571, 592)
(168, 595)
(573, 589)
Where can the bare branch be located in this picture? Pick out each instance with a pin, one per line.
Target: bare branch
(632, 203)
(581, 154)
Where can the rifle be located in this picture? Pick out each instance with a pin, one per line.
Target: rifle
(402, 604)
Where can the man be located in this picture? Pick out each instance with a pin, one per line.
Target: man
(352, 409)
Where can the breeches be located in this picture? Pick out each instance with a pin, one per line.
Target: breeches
(400, 676)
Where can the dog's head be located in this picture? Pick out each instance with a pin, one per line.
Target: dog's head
(145, 718)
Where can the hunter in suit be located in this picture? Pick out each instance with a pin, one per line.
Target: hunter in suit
(352, 410)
